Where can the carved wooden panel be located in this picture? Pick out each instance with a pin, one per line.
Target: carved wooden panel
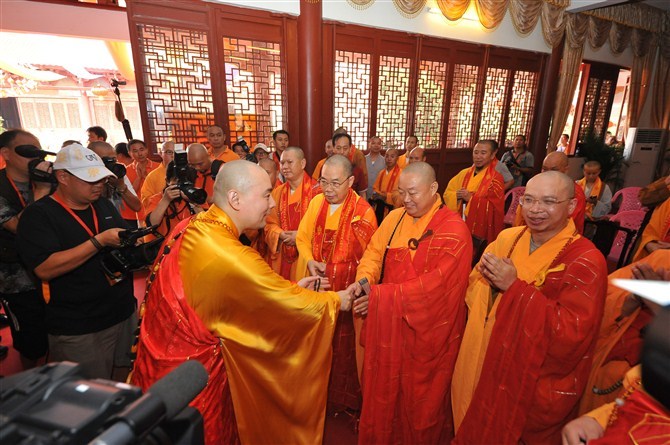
(432, 83)
(393, 99)
(493, 105)
(463, 106)
(521, 105)
(352, 95)
(601, 116)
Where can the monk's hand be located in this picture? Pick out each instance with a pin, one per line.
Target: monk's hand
(464, 195)
(643, 271)
(360, 307)
(288, 237)
(499, 272)
(345, 300)
(655, 245)
(581, 430)
(311, 283)
(316, 268)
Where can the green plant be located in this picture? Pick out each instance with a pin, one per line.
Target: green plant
(610, 157)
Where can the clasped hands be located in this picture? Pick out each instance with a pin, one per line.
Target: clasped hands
(499, 272)
(351, 296)
(463, 195)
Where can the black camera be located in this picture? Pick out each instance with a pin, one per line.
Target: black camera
(36, 157)
(118, 169)
(186, 175)
(130, 256)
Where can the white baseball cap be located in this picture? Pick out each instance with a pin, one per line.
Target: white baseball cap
(82, 163)
(263, 146)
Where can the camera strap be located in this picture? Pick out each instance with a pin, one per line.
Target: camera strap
(77, 218)
(18, 193)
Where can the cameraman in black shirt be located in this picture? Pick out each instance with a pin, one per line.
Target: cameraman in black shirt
(89, 318)
(19, 290)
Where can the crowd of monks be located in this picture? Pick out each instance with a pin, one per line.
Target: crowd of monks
(424, 347)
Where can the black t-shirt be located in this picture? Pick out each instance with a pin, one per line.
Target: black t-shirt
(81, 301)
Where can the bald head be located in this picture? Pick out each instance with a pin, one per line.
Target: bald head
(198, 158)
(555, 161)
(341, 162)
(238, 176)
(268, 164)
(555, 182)
(416, 155)
(422, 170)
(102, 149)
(298, 152)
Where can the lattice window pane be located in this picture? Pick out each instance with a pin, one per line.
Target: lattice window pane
(601, 120)
(73, 116)
(589, 106)
(255, 89)
(463, 106)
(430, 102)
(490, 126)
(175, 68)
(522, 105)
(393, 98)
(352, 95)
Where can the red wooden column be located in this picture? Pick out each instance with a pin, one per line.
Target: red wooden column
(546, 102)
(310, 38)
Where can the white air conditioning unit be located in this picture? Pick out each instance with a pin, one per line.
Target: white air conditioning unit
(642, 153)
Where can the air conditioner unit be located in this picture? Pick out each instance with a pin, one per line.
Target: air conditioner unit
(642, 152)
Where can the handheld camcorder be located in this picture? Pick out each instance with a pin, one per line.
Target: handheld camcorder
(118, 169)
(186, 178)
(37, 156)
(130, 256)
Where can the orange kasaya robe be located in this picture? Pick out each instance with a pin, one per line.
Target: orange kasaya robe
(485, 212)
(339, 240)
(289, 210)
(387, 182)
(403, 160)
(153, 183)
(205, 182)
(619, 341)
(178, 210)
(227, 155)
(317, 170)
(596, 191)
(639, 420)
(131, 173)
(578, 215)
(265, 342)
(412, 333)
(658, 229)
(526, 353)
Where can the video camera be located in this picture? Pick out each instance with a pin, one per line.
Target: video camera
(186, 175)
(115, 167)
(53, 405)
(37, 156)
(130, 256)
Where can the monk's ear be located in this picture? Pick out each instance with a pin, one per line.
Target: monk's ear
(572, 205)
(350, 181)
(303, 163)
(233, 199)
(433, 188)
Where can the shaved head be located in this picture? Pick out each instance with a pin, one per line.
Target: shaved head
(196, 149)
(424, 171)
(198, 158)
(416, 155)
(297, 150)
(555, 161)
(102, 149)
(235, 175)
(555, 182)
(268, 164)
(342, 162)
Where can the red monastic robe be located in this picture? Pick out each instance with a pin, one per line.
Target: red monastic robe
(413, 331)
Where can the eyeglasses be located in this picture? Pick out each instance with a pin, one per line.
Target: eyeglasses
(325, 184)
(545, 203)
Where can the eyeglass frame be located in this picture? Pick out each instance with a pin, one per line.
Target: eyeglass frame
(333, 184)
(541, 202)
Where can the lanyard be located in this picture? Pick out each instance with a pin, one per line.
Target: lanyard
(18, 193)
(76, 217)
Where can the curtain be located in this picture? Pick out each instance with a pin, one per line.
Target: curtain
(573, 50)
(491, 12)
(524, 14)
(640, 77)
(619, 37)
(453, 9)
(660, 106)
(553, 23)
(409, 8)
(598, 31)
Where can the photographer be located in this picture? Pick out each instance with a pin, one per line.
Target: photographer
(205, 168)
(89, 319)
(519, 161)
(119, 189)
(242, 150)
(20, 295)
(166, 209)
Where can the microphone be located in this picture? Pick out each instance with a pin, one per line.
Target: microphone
(164, 400)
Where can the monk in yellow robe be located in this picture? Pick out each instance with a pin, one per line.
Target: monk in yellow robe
(410, 144)
(598, 194)
(292, 199)
(385, 189)
(478, 193)
(619, 342)
(535, 301)
(316, 174)
(265, 342)
(331, 240)
(657, 233)
(155, 181)
(417, 263)
(218, 149)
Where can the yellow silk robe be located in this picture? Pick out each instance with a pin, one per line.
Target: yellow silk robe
(456, 184)
(658, 229)
(276, 336)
